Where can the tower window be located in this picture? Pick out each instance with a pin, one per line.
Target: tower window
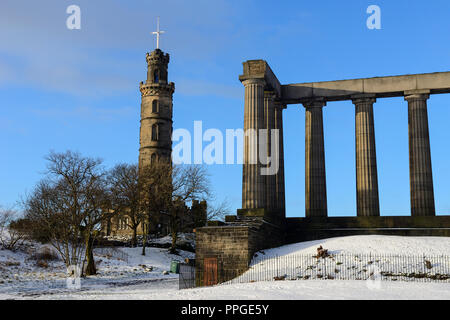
(156, 76)
(155, 105)
(155, 132)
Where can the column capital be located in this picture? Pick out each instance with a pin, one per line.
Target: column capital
(257, 81)
(270, 95)
(279, 105)
(412, 95)
(315, 103)
(363, 98)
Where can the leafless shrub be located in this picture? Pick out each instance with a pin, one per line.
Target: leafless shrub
(10, 238)
(45, 254)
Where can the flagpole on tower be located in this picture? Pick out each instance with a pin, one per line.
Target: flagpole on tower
(158, 32)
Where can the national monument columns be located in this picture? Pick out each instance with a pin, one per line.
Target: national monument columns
(265, 100)
(367, 200)
(253, 183)
(315, 181)
(279, 176)
(421, 177)
(269, 120)
(263, 190)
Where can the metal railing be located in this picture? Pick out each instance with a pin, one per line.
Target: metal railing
(346, 266)
(187, 276)
(112, 252)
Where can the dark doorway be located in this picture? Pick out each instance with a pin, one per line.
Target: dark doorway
(210, 269)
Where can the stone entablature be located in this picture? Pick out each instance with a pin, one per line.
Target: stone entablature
(380, 87)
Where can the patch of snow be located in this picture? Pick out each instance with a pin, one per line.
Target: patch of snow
(141, 277)
(21, 277)
(354, 258)
(285, 290)
(369, 244)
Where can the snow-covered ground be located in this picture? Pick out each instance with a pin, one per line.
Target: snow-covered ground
(142, 277)
(21, 277)
(370, 244)
(279, 290)
(355, 258)
(183, 239)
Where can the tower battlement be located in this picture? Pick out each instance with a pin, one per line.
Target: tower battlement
(157, 56)
(157, 65)
(153, 89)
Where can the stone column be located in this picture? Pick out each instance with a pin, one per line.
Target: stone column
(366, 159)
(280, 202)
(253, 184)
(421, 178)
(269, 112)
(315, 181)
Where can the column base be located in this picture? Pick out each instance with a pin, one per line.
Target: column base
(269, 215)
(258, 212)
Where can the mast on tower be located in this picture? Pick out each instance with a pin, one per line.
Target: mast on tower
(158, 33)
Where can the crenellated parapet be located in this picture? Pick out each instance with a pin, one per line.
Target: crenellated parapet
(157, 67)
(156, 89)
(158, 57)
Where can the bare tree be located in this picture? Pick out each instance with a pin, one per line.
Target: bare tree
(69, 204)
(219, 211)
(189, 183)
(55, 217)
(165, 191)
(124, 196)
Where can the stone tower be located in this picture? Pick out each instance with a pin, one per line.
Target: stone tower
(156, 111)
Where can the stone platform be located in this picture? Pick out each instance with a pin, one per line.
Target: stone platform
(231, 245)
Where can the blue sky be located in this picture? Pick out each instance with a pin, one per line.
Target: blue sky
(78, 89)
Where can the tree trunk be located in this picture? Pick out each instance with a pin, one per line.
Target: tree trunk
(134, 239)
(144, 238)
(173, 248)
(173, 232)
(90, 266)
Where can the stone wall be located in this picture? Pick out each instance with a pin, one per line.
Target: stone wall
(229, 245)
(233, 246)
(302, 229)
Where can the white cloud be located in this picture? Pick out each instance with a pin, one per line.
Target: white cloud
(107, 56)
(86, 113)
(203, 88)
